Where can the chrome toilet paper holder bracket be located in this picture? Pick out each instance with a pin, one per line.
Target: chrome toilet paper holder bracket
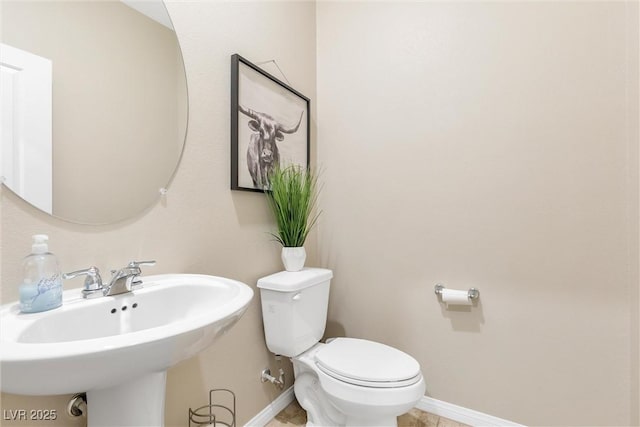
(472, 293)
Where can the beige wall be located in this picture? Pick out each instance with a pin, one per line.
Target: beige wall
(111, 110)
(487, 144)
(633, 102)
(201, 226)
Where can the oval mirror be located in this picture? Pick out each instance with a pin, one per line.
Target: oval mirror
(93, 106)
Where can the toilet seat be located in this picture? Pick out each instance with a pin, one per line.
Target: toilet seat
(367, 363)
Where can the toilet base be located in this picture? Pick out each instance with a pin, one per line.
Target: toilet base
(321, 413)
(361, 423)
(379, 422)
(310, 396)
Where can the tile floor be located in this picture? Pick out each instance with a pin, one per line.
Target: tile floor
(294, 416)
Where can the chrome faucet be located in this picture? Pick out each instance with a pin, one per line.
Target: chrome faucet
(126, 279)
(123, 280)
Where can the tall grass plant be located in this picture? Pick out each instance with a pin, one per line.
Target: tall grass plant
(292, 200)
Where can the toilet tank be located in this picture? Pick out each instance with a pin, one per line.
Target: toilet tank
(294, 309)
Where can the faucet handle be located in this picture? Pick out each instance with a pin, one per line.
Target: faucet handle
(136, 283)
(139, 263)
(92, 273)
(92, 283)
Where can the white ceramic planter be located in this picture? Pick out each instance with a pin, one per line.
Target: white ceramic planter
(293, 258)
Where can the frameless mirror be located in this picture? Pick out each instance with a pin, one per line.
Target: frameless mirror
(93, 106)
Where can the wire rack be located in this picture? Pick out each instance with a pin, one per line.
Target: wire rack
(215, 414)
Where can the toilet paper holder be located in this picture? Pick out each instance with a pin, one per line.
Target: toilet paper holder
(472, 293)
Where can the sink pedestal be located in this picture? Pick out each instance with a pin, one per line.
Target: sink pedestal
(139, 402)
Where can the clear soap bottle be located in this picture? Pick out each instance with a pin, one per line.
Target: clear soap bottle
(41, 289)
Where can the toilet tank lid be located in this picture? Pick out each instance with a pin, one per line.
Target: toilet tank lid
(292, 281)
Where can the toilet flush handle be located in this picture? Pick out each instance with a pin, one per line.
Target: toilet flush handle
(297, 296)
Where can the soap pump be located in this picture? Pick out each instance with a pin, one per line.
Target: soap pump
(41, 289)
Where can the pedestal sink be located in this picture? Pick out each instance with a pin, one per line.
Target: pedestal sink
(117, 348)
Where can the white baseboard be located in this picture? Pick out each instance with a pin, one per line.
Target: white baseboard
(460, 414)
(427, 404)
(273, 409)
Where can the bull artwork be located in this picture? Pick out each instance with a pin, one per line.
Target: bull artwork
(262, 154)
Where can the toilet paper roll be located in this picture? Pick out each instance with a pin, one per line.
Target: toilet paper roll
(455, 297)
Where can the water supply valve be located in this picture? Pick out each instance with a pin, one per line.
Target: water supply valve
(265, 376)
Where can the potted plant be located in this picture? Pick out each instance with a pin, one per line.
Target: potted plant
(292, 199)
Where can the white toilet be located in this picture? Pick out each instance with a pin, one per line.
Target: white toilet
(347, 381)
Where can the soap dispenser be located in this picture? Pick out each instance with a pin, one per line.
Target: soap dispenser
(41, 289)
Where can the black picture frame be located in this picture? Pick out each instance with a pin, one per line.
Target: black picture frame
(262, 105)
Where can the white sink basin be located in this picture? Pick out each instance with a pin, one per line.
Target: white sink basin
(118, 343)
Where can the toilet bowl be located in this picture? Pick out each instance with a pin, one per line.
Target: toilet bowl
(386, 384)
(345, 381)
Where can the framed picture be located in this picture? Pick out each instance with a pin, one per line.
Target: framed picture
(269, 126)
